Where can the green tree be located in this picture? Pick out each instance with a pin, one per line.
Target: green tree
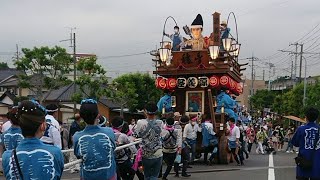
(262, 99)
(4, 65)
(135, 90)
(92, 80)
(44, 69)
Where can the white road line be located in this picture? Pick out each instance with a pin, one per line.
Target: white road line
(271, 175)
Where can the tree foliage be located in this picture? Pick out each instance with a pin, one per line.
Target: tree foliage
(135, 90)
(262, 99)
(44, 69)
(290, 102)
(92, 79)
(4, 65)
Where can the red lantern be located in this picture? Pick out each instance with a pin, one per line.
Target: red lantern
(232, 84)
(214, 81)
(163, 83)
(224, 81)
(158, 81)
(171, 83)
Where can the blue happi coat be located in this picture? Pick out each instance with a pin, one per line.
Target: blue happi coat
(165, 101)
(95, 146)
(36, 159)
(304, 138)
(11, 138)
(228, 103)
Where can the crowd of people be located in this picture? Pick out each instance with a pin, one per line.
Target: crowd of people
(32, 144)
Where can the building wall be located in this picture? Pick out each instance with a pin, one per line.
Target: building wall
(243, 99)
(4, 109)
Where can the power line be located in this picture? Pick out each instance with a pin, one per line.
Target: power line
(126, 55)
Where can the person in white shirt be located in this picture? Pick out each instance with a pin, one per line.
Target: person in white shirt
(190, 136)
(52, 134)
(233, 138)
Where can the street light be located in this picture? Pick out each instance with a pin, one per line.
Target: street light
(214, 52)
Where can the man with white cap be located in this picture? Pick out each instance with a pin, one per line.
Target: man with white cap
(197, 42)
(52, 134)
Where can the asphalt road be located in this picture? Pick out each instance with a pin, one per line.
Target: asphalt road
(258, 167)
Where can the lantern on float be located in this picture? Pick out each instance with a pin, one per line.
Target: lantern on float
(171, 83)
(224, 81)
(192, 82)
(203, 81)
(158, 81)
(214, 81)
(232, 84)
(181, 82)
(163, 83)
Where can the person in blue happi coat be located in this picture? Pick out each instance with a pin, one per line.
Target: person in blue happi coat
(165, 102)
(209, 140)
(13, 136)
(307, 139)
(177, 39)
(32, 159)
(95, 145)
(224, 100)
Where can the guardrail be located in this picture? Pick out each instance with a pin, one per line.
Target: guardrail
(70, 164)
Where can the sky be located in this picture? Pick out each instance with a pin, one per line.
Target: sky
(115, 28)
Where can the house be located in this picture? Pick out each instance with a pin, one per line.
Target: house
(8, 79)
(63, 98)
(7, 100)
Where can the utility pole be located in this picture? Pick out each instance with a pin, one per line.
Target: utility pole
(263, 74)
(74, 71)
(301, 55)
(73, 45)
(251, 91)
(295, 61)
(17, 52)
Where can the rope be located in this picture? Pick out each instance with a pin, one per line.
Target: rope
(70, 164)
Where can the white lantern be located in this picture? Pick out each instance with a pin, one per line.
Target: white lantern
(181, 82)
(227, 43)
(192, 82)
(164, 54)
(236, 48)
(214, 52)
(203, 81)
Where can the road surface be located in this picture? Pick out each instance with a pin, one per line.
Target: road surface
(258, 167)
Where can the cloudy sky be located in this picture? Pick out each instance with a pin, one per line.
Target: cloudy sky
(114, 28)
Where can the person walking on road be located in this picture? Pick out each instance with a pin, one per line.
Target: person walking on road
(307, 139)
(261, 136)
(234, 143)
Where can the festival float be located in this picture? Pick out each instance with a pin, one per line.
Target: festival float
(195, 69)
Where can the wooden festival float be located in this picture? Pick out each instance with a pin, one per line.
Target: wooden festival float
(196, 76)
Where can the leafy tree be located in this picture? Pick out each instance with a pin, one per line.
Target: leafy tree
(135, 90)
(44, 69)
(262, 99)
(4, 65)
(92, 81)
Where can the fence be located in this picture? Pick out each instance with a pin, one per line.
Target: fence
(70, 164)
